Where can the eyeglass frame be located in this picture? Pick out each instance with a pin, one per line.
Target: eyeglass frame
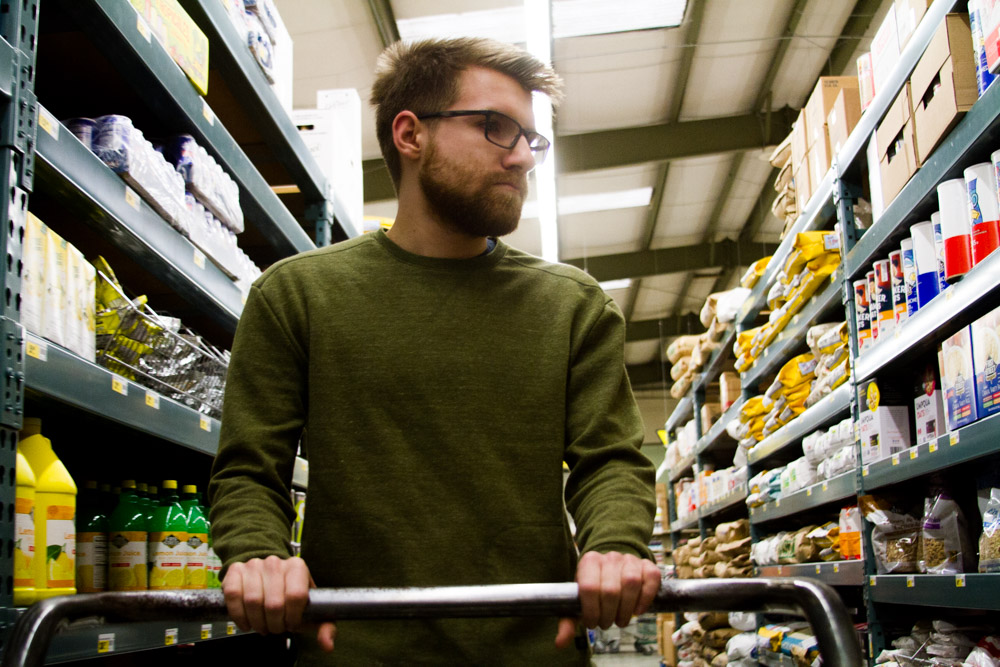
(538, 153)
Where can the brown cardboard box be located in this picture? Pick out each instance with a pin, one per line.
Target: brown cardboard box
(665, 628)
(729, 389)
(820, 159)
(843, 117)
(799, 141)
(943, 84)
(885, 49)
(895, 141)
(908, 15)
(803, 185)
(661, 501)
(709, 413)
(866, 80)
(821, 102)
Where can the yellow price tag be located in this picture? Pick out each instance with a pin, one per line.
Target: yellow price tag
(895, 459)
(230, 628)
(809, 492)
(864, 471)
(909, 581)
(206, 631)
(207, 112)
(106, 643)
(131, 198)
(914, 453)
(818, 569)
(153, 399)
(47, 122)
(119, 385)
(205, 423)
(170, 637)
(959, 581)
(36, 350)
(777, 502)
(836, 568)
(825, 486)
(953, 438)
(949, 294)
(143, 28)
(199, 258)
(932, 447)
(872, 580)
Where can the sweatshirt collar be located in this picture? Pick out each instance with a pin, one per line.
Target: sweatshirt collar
(486, 260)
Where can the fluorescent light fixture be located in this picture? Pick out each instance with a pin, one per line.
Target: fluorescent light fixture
(538, 30)
(591, 203)
(621, 283)
(570, 18)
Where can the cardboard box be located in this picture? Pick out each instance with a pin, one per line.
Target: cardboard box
(883, 423)
(866, 80)
(958, 381)
(928, 406)
(885, 50)
(800, 144)
(665, 628)
(179, 36)
(842, 119)
(820, 159)
(33, 273)
(709, 413)
(943, 84)
(803, 186)
(730, 388)
(908, 15)
(820, 102)
(874, 178)
(896, 146)
(985, 358)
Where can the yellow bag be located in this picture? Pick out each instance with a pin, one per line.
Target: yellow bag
(753, 407)
(798, 370)
(754, 273)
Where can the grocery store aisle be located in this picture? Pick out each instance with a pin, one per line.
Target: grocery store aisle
(626, 657)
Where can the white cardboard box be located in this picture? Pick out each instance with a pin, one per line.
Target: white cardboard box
(884, 432)
(885, 49)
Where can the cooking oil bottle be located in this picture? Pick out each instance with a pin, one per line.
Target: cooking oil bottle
(55, 512)
(168, 540)
(196, 572)
(127, 550)
(24, 533)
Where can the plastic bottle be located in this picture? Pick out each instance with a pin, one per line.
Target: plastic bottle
(55, 511)
(127, 550)
(92, 542)
(24, 534)
(196, 570)
(168, 541)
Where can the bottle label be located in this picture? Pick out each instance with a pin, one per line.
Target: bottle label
(196, 573)
(167, 559)
(127, 556)
(24, 541)
(91, 562)
(60, 550)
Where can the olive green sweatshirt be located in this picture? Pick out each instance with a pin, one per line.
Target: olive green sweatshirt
(437, 400)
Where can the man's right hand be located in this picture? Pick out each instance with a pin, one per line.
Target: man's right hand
(269, 595)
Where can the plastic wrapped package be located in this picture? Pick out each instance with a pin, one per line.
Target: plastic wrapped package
(801, 645)
(121, 146)
(206, 180)
(730, 303)
(989, 541)
(681, 347)
(716, 330)
(799, 369)
(745, 621)
(944, 538)
(776, 294)
(260, 46)
(895, 536)
(817, 332)
(680, 368)
(681, 387)
(850, 533)
(837, 463)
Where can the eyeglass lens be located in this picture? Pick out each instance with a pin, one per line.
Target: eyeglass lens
(505, 132)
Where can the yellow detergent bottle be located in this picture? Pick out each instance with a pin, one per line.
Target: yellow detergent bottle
(24, 534)
(55, 514)
(168, 541)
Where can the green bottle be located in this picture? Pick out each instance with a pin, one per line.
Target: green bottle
(127, 535)
(196, 573)
(168, 538)
(91, 542)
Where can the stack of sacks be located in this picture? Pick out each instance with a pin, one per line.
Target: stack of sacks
(755, 272)
(742, 347)
(764, 487)
(794, 640)
(733, 546)
(797, 475)
(720, 309)
(943, 642)
(784, 207)
(723, 483)
(681, 371)
(809, 544)
(832, 451)
(685, 498)
(741, 649)
(749, 426)
(786, 398)
(828, 343)
(702, 641)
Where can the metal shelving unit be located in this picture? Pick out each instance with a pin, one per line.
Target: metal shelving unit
(822, 493)
(682, 412)
(827, 409)
(954, 591)
(114, 639)
(715, 434)
(834, 573)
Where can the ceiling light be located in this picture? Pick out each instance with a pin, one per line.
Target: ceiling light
(506, 24)
(538, 29)
(621, 283)
(591, 203)
(576, 18)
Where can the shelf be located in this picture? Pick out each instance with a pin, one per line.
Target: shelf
(838, 573)
(840, 487)
(771, 659)
(685, 464)
(962, 591)
(972, 139)
(7, 69)
(817, 211)
(914, 49)
(88, 641)
(57, 373)
(710, 372)
(977, 440)
(682, 412)
(146, 66)
(684, 524)
(710, 439)
(793, 336)
(977, 292)
(735, 498)
(68, 170)
(815, 417)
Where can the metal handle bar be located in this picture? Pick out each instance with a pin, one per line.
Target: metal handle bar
(835, 635)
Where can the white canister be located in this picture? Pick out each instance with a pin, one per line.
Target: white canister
(925, 260)
(956, 228)
(984, 209)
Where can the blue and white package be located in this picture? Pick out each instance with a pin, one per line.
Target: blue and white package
(985, 359)
(958, 379)
(82, 129)
(983, 75)
(909, 277)
(926, 262)
(943, 284)
(112, 141)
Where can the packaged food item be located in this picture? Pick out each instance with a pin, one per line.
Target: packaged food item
(989, 541)
(873, 306)
(928, 406)
(883, 297)
(899, 308)
(850, 533)
(925, 262)
(984, 210)
(944, 537)
(895, 535)
(754, 273)
(862, 314)
(958, 379)
(956, 230)
(883, 423)
(985, 357)
(681, 347)
(909, 276)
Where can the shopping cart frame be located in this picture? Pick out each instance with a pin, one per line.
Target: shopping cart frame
(819, 603)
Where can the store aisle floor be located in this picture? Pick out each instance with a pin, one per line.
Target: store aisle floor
(623, 658)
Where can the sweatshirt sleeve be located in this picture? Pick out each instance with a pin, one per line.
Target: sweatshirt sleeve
(262, 420)
(610, 490)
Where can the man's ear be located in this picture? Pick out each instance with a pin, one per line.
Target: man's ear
(408, 134)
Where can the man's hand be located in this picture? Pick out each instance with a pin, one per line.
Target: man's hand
(614, 587)
(269, 595)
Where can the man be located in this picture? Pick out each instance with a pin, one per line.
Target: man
(438, 378)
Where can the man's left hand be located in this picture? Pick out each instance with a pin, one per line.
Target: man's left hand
(614, 587)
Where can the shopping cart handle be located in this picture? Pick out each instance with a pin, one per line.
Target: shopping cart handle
(822, 607)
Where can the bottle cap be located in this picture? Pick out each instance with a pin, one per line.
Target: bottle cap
(170, 484)
(190, 488)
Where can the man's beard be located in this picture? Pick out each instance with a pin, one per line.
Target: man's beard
(486, 210)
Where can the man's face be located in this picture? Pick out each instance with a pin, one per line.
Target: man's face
(471, 185)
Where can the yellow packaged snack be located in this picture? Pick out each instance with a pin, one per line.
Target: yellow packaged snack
(754, 273)
(798, 370)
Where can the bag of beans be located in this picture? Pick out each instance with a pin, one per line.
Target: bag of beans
(989, 542)
(895, 536)
(944, 537)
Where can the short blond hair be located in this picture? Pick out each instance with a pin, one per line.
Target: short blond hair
(423, 77)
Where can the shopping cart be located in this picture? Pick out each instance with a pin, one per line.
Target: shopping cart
(822, 607)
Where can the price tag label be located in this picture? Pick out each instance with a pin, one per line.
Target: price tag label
(836, 568)
(949, 294)
(170, 636)
(914, 453)
(777, 503)
(753, 510)
(895, 334)
(153, 399)
(207, 112)
(895, 459)
(909, 581)
(205, 423)
(864, 471)
(106, 643)
(206, 631)
(131, 198)
(871, 581)
(809, 492)
(932, 447)
(953, 438)
(143, 28)
(825, 486)
(818, 569)
(230, 628)
(48, 122)
(39, 350)
(199, 258)
(119, 385)
(959, 581)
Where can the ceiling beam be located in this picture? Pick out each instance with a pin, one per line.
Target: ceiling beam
(635, 145)
(385, 21)
(854, 30)
(672, 260)
(688, 323)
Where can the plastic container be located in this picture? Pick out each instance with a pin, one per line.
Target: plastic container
(956, 229)
(92, 542)
(127, 550)
(196, 570)
(168, 535)
(909, 277)
(984, 209)
(55, 511)
(925, 261)
(24, 533)
(862, 314)
(873, 306)
(898, 286)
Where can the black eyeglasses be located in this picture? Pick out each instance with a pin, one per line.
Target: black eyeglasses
(501, 130)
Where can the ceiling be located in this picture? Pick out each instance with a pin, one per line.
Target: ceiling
(691, 112)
